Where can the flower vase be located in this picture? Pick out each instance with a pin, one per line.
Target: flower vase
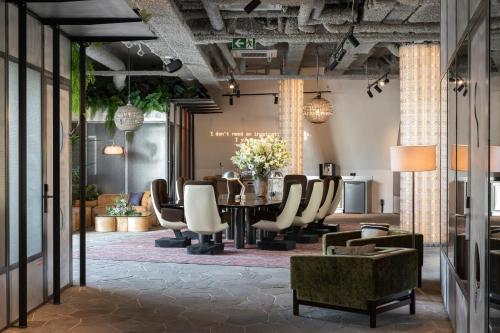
(260, 185)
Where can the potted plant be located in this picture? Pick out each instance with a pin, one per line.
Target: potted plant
(91, 192)
(260, 156)
(122, 208)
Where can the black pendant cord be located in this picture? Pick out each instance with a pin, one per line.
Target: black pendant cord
(23, 244)
(56, 160)
(129, 69)
(317, 72)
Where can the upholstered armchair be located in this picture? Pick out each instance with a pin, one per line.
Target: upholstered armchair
(371, 283)
(396, 238)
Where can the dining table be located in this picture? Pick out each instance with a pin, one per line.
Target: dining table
(240, 226)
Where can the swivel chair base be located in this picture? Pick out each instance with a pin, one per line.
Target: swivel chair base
(276, 245)
(302, 238)
(172, 242)
(206, 248)
(321, 229)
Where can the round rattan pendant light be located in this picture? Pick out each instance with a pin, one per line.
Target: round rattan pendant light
(128, 118)
(319, 110)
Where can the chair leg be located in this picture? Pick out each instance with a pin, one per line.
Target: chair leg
(372, 312)
(295, 303)
(412, 304)
(218, 237)
(178, 234)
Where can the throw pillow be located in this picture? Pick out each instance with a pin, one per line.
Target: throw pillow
(370, 230)
(351, 250)
(135, 198)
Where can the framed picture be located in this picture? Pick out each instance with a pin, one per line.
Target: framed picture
(328, 169)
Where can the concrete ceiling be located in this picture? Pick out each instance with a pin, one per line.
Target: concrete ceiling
(199, 32)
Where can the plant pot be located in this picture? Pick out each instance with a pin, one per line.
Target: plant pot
(260, 185)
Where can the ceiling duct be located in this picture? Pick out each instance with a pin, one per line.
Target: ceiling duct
(108, 59)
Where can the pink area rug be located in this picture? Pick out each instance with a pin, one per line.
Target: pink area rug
(140, 247)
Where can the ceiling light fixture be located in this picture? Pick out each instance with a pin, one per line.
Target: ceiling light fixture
(251, 6)
(231, 100)
(173, 66)
(128, 118)
(275, 99)
(319, 110)
(350, 36)
(376, 84)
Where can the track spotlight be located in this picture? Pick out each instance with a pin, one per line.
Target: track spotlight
(377, 88)
(231, 85)
(353, 40)
(465, 92)
(340, 55)
(275, 99)
(332, 64)
(369, 92)
(173, 66)
(238, 92)
(386, 80)
(461, 87)
(251, 6)
(231, 100)
(381, 83)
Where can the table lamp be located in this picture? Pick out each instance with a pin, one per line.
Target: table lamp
(413, 159)
(459, 157)
(233, 175)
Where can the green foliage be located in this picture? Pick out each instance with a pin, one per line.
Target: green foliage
(75, 77)
(91, 192)
(146, 93)
(122, 208)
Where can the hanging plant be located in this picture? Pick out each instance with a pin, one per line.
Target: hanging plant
(146, 93)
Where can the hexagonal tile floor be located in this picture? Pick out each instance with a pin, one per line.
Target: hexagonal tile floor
(126, 296)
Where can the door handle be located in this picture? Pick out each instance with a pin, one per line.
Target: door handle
(46, 197)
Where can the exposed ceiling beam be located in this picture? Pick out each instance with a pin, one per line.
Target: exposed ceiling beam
(89, 21)
(294, 57)
(135, 73)
(250, 77)
(110, 39)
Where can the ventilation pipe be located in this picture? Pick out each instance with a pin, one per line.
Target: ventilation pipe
(214, 15)
(307, 10)
(103, 56)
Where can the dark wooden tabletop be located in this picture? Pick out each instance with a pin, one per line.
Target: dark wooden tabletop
(224, 200)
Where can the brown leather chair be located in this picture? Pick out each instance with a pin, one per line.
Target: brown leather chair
(169, 218)
(300, 179)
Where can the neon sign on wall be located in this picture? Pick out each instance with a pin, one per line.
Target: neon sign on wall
(239, 135)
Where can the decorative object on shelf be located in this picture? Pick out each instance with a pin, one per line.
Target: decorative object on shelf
(122, 208)
(233, 175)
(260, 156)
(413, 159)
(113, 150)
(128, 118)
(319, 110)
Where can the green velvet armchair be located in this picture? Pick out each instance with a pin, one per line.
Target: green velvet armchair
(368, 284)
(396, 238)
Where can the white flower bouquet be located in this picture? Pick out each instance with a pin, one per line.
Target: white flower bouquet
(262, 155)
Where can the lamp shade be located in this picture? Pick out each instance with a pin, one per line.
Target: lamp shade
(494, 158)
(413, 158)
(231, 175)
(460, 157)
(113, 150)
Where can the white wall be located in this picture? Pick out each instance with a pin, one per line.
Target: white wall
(357, 138)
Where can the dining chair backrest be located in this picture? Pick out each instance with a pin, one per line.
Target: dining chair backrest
(159, 194)
(301, 179)
(200, 207)
(338, 196)
(313, 200)
(291, 206)
(233, 187)
(179, 187)
(326, 201)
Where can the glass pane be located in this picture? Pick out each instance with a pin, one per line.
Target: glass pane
(462, 162)
(2, 136)
(452, 143)
(13, 162)
(494, 236)
(34, 156)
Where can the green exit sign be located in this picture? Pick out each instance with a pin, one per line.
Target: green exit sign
(243, 44)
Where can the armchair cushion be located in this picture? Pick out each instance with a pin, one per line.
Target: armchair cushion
(172, 214)
(351, 250)
(370, 230)
(351, 281)
(135, 198)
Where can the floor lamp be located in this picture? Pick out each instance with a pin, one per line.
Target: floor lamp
(413, 159)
